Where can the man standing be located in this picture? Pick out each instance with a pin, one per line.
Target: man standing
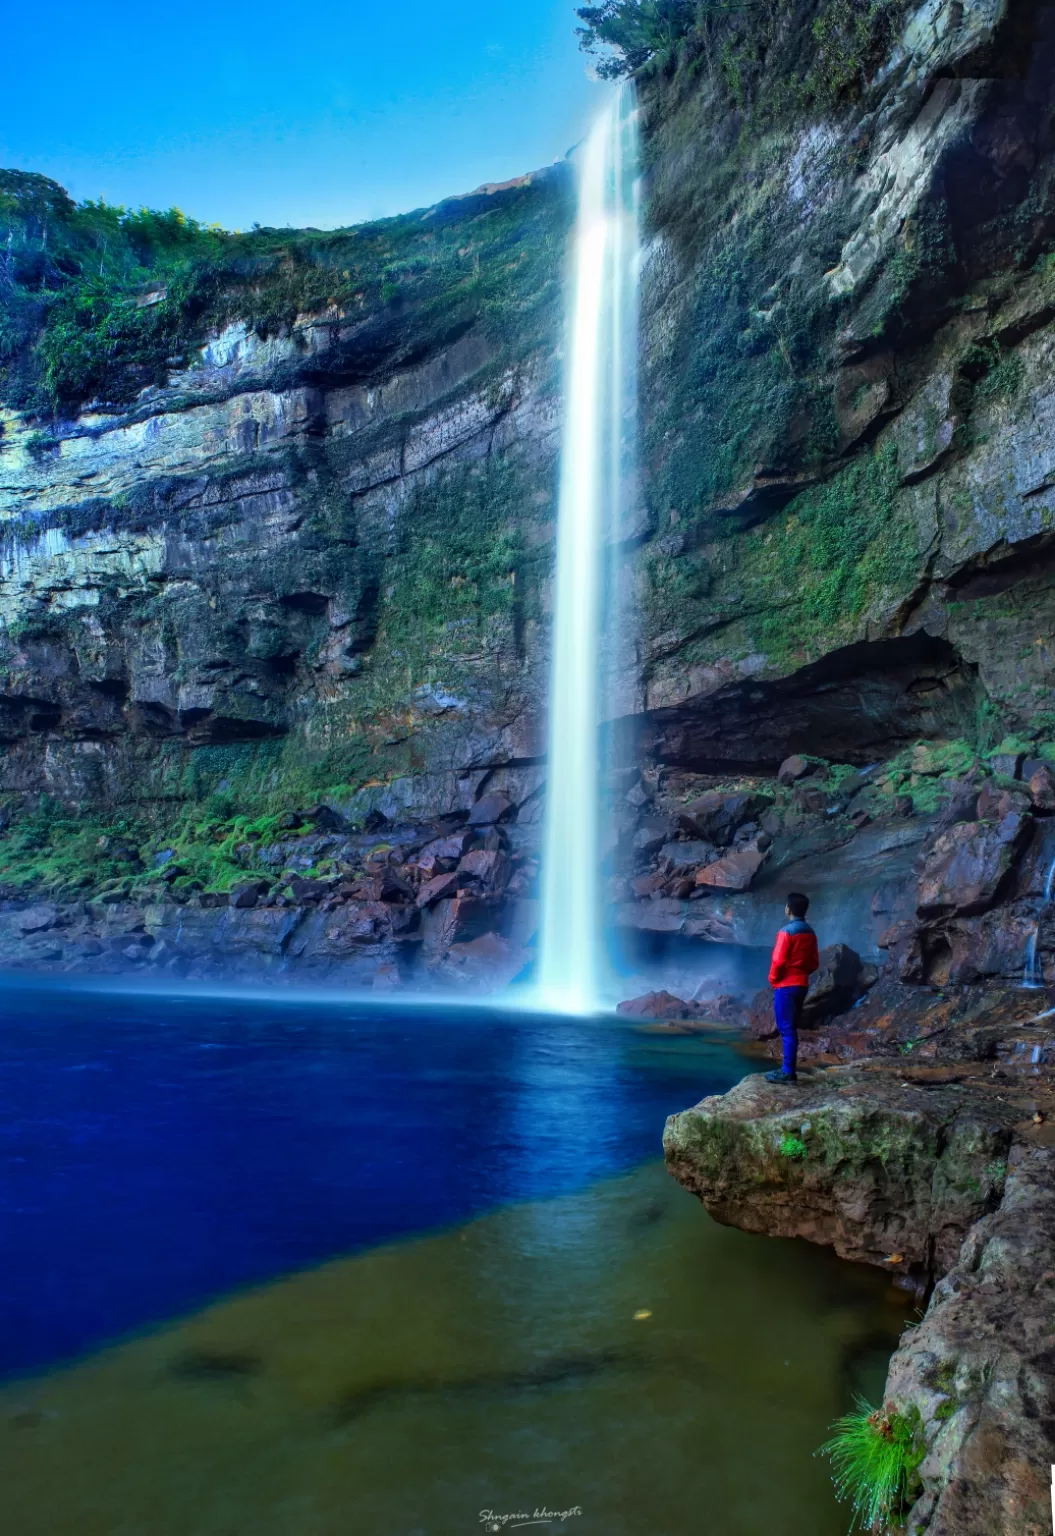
(794, 961)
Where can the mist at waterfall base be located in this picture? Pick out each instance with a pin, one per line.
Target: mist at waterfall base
(597, 463)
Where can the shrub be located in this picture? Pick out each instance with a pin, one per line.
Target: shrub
(628, 33)
(793, 1147)
(874, 1454)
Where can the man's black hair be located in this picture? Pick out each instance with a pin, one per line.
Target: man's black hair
(798, 904)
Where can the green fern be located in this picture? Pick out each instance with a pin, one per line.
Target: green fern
(874, 1453)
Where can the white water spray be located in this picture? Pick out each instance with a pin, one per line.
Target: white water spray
(596, 471)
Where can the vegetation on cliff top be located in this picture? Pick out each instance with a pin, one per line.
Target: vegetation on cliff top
(821, 53)
(98, 302)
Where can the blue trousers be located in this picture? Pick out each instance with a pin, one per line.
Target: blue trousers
(787, 1005)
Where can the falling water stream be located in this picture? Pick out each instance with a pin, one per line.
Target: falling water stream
(1032, 974)
(596, 469)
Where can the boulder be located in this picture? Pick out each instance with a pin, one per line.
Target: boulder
(456, 920)
(443, 853)
(761, 1019)
(310, 890)
(836, 986)
(436, 889)
(246, 894)
(486, 868)
(687, 855)
(811, 799)
(658, 1005)
(733, 872)
(995, 802)
(793, 768)
(38, 918)
(885, 1168)
(1007, 764)
(964, 870)
(1042, 788)
(961, 805)
(490, 809)
(651, 834)
(326, 819)
(488, 961)
(718, 815)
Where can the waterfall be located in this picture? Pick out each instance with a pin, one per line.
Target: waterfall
(596, 471)
(1031, 974)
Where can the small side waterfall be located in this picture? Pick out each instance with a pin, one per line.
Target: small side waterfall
(596, 468)
(1031, 973)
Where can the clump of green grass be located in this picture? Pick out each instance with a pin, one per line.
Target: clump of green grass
(793, 1147)
(874, 1454)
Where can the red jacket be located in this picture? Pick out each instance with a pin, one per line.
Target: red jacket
(795, 956)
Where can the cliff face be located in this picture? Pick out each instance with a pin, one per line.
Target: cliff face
(847, 390)
(310, 557)
(304, 567)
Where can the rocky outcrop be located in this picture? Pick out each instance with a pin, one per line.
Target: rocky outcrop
(979, 1368)
(880, 1169)
(931, 1157)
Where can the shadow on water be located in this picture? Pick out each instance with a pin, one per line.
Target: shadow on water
(576, 1334)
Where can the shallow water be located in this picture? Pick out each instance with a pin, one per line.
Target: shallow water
(158, 1154)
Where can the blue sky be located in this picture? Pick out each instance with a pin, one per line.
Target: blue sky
(323, 113)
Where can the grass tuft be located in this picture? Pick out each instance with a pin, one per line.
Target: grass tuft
(874, 1454)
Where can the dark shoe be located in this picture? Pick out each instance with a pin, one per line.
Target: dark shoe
(781, 1077)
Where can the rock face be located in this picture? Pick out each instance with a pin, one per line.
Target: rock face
(861, 345)
(979, 1367)
(307, 550)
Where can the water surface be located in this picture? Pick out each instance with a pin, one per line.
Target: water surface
(489, 1184)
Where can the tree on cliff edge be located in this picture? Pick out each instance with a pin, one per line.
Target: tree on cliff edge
(627, 33)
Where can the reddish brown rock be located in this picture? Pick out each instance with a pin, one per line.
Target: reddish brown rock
(793, 768)
(1042, 789)
(488, 961)
(733, 872)
(658, 1005)
(457, 920)
(965, 869)
(487, 868)
(835, 986)
(996, 801)
(435, 889)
